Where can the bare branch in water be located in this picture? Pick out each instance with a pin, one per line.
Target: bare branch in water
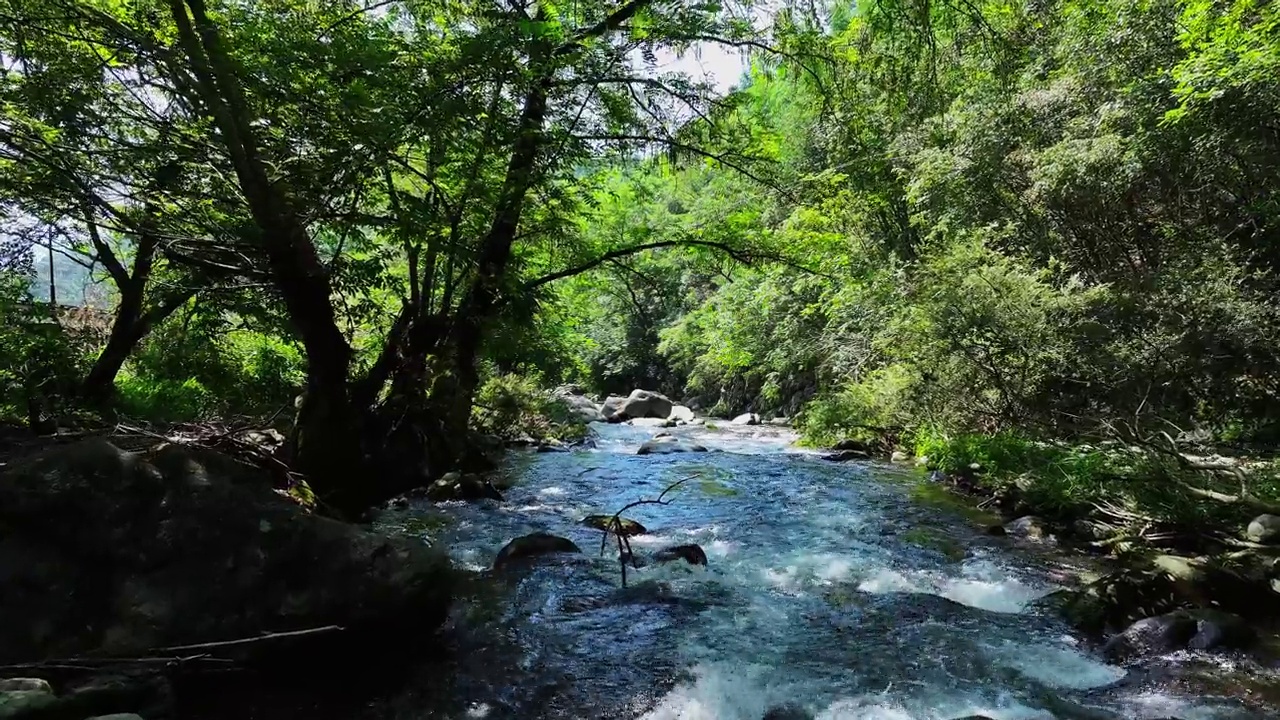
(615, 526)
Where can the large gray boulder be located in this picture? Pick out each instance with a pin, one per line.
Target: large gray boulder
(746, 419)
(117, 553)
(611, 409)
(646, 404)
(581, 405)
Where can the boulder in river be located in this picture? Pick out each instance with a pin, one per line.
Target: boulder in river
(692, 554)
(680, 413)
(646, 404)
(611, 409)
(462, 486)
(1200, 629)
(533, 545)
(648, 422)
(116, 553)
(846, 456)
(668, 444)
(1028, 527)
(1263, 529)
(627, 526)
(852, 444)
(583, 407)
(746, 419)
(787, 712)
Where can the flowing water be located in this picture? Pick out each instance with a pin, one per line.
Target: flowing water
(832, 587)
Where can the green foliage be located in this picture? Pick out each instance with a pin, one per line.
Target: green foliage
(42, 358)
(199, 365)
(515, 407)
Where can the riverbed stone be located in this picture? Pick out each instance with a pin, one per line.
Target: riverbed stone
(847, 456)
(1198, 629)
(649, 422)
(116, 553)
(680, 413)
(1264, 529)
(899, 457)
(691, 553)
(787, 712)
(462, 486)
(584, 407)
(533, 545)
(643, 404)
(628, 527)
(1028, 527)
(669, 444)
(746, 419)
(611, 409)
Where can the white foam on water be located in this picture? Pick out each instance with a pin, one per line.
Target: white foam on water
(553, 491)
(1158, 704)
(1056, 665)
(885, 580)
(981, 584)
(719, 693)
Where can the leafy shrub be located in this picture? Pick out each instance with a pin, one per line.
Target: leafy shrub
(514, 406)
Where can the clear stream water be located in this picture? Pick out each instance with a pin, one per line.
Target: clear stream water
(830, 586)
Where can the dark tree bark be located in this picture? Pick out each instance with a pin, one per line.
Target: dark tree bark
(327, 443)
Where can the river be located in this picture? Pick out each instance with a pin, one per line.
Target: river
(832, 587)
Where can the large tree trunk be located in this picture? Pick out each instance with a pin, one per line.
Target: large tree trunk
(327, 443)
(477, 306)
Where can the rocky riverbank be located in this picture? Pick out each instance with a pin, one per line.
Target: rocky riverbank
(1166, 586)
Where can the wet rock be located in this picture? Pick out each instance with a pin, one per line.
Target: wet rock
(114, 553)
(668, 444)
(746, 419)
(787, 712)
(639, 404)
(25, 703)
(976, 717)
(533, 545)
(1263, 529)
(462, 486)
(611, 409)
(25, 685)
(584, 407)
(692, 554)
(1179, 630)
(779, 422)
(899, 457)
(852, 444)
(997, 530)
(628, 527)
(1028, 527)
(648, 422)
(846, 456)
(552, 446)
(680, 413)
(142, 692)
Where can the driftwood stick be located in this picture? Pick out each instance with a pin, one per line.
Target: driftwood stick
(249, 641)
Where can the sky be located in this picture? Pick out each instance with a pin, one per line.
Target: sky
(720, 65)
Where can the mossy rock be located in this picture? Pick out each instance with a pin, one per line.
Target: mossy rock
(627, 526)
(933, 540)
